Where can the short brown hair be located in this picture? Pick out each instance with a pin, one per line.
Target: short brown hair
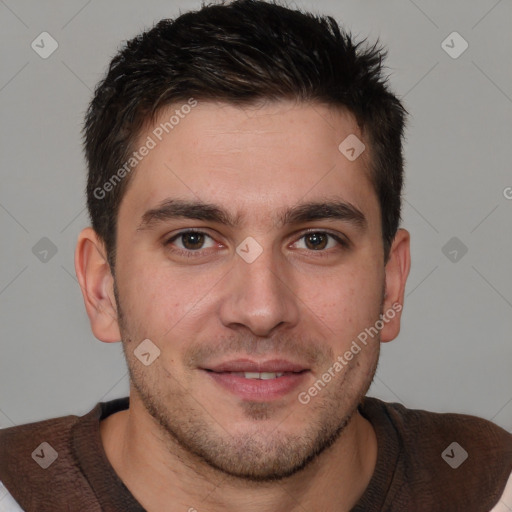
(243, 52)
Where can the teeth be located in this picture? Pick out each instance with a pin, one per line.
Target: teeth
(268, 376)
(251, 375)
(256, 375)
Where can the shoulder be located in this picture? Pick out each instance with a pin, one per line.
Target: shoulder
(465, 435)
(457, 458)
(38, 463)
(32, 456)
(24, 440)
(50, 462)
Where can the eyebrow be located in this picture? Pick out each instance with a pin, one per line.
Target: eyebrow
(334, 209)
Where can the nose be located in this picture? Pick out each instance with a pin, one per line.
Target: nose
(259, 296)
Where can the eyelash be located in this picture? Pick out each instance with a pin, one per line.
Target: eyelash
(194, 254)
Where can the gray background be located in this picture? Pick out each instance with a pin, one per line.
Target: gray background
(454, 351)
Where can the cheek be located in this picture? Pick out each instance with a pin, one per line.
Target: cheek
(162, 299)
(346, 302)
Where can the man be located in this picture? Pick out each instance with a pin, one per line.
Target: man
(245, 175)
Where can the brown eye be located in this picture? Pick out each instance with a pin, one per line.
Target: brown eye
(321, 242)
(192, 240)
(316, 241)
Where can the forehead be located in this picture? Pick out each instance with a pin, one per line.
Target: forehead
(252, 160)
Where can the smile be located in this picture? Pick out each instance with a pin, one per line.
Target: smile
(256, 375)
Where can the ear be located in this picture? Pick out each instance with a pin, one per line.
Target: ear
(97, 284)
(396, 270)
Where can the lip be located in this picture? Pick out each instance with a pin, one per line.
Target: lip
(258, 390)
(248, 365)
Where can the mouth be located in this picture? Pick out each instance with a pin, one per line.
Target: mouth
(260, 375)
(248, 366)
(258, 381)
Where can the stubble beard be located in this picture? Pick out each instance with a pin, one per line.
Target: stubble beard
(189, 430)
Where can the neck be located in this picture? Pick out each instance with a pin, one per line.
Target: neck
(163, 476)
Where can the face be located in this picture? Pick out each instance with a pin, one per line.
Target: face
(249, 251)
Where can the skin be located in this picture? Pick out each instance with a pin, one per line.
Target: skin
(186, 443)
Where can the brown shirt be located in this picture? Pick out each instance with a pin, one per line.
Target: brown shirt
(426, 462)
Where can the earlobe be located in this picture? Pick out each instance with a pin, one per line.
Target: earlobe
(97, 285)
(397, 270)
